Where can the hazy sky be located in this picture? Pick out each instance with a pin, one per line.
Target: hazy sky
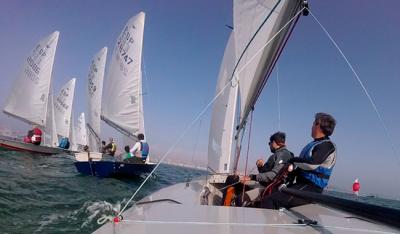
(183, 47)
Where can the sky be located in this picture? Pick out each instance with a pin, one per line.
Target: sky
(183, 47)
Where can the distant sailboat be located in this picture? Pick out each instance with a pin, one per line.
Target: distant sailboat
(260, 31)
(122, 102)
(63, 109)
(95, 89)
(79, 133)
(30, 99)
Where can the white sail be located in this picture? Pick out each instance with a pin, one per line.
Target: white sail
(95, 89)
(255, 24)
(122, 91)
(72, 135)
(50, 131)
(63, 108)
(28, 99)
(220, 148)
(80, 130)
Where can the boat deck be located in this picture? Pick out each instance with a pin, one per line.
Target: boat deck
(162, 213)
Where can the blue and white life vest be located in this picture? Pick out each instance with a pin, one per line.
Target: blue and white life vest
(320, 175)
(144, 149)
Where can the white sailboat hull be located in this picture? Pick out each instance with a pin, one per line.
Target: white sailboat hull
(177, 209)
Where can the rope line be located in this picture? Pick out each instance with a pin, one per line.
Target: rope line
(202, 112)
(247, 153)
(360, 82)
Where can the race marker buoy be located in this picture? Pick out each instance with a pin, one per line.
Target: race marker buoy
(356, 187)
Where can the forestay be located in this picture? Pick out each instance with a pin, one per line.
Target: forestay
(121, 103)
(95, 89)
(28, 99)
(63, 108)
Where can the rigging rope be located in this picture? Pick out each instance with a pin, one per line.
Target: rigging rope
(278, 98)
(247, 153)
(203, 111)
(360, 82)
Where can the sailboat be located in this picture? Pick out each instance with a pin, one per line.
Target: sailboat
(95, 89)
(260, 31)
(122, 104)
(31, 99)
(78, 133)
(63, 109)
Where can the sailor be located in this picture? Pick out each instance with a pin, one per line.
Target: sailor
(110, 148)
(313, 166)
(141, 148)
(103, 147)
(268, 171)
(37, 136)
(28, 137)
(64, 143)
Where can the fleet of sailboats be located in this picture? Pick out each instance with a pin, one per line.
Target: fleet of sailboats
(122, 102)
(261, 28)
(260, 32)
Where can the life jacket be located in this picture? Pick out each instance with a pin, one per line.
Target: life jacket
(113, 147)
(144, 149)
(320, 175)
(64, 143)
(37, 136)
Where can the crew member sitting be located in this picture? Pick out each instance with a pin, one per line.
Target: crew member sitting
(34, 136)
(110, 148)
(64, 143)
(141, 148)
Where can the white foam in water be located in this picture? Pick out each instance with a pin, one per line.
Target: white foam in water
(48, 220)
(98, 208)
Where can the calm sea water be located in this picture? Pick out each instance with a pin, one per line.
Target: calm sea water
(42, 194)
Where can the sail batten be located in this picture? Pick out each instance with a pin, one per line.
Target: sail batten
(122, 104)
(28, 100)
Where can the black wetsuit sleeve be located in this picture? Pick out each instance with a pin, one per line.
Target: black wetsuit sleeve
(319, 154)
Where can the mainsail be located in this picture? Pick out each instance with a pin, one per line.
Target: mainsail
(95, 89)
(220, 147)
(28, 99)
(256, 24)
(63, 108)
(78, 135)
(121, 102)
(260, 31)
(50, 131)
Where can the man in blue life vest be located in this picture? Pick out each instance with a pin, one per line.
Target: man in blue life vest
(313, 166)
(64, 143)
(141, 148)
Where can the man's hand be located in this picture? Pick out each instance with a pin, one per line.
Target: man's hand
(260, 163)
(244, 179)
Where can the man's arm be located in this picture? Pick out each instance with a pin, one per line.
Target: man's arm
(134, 148)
